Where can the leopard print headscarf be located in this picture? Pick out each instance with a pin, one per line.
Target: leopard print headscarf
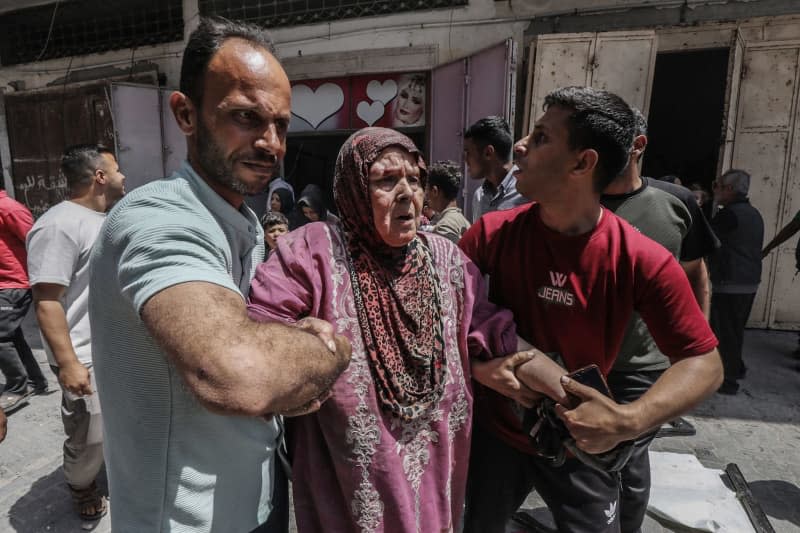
(396, 289)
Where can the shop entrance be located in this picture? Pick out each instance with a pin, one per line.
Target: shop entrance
(312, 159)
(685, 121)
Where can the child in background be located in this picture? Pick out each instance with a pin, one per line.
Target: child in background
(275, 224)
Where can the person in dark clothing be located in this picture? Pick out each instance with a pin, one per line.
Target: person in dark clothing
(282, 201)
(671, 178)
(312, 208)
(735, 270)
(670, 215)
(18, 365)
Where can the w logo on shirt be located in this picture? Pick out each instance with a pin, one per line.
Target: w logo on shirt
(558, 279)
(556, 292)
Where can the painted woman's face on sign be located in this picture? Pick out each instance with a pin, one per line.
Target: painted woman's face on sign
(409, 109)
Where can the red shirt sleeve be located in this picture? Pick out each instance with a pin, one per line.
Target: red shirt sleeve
(19, 222)
(669, 308)
(473, 244)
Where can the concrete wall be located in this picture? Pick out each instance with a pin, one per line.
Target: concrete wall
(399, 42)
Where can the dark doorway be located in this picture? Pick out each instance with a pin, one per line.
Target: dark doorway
(686, 116)
(312, 159)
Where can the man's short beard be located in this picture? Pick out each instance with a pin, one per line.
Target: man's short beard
(216, 167)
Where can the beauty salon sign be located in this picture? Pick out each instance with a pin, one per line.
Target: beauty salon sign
(391, 100)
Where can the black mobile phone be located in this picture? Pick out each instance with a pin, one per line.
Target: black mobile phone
(592, 377)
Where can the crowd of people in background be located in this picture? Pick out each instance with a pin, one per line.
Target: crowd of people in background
(407, 373)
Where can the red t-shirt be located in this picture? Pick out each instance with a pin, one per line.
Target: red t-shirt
(15, 223)
(574, 295)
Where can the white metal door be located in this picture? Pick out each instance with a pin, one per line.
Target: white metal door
(560, 60)
(621, 62)
(137, 123)
(173, 140)
(767, 144)
(149, 143)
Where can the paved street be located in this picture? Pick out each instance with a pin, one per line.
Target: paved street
(759, 430)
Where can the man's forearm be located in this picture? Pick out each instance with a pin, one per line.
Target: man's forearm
(53, 324)
(782, 236)
(263, 369)
(697, 273)
(233, 364)
(295, 366)
(542, 374)
(682, 386)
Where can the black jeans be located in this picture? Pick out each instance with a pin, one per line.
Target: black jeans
(17, 362)
(581, 499)
(635, 475)
(729, 313)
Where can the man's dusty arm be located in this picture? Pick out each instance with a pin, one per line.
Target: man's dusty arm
(783, 235)
(697, 273)
(233, 364)
(525, 376)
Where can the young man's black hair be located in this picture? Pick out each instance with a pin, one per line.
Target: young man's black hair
(492, 131)
(79, 163)
(601, 121)
(446, 176)
(273, 218)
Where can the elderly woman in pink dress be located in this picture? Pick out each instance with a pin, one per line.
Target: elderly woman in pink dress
(388, 452)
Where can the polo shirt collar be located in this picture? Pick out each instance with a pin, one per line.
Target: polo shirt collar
(509, 182)
(242, 219)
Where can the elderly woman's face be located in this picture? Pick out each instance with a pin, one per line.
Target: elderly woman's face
(396, 195)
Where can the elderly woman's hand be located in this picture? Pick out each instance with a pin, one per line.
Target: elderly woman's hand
(499, 374)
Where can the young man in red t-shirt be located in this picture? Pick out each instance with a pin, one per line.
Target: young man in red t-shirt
(573, 273)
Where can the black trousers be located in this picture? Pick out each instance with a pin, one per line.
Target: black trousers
(17, 362)
(729, 313)
(581, 499)
(635, 475)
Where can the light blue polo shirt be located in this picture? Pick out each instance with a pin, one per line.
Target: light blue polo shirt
(172, 464)
(505, 197)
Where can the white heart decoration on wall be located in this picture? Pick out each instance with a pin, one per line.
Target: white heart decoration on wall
(370, 113)
(382, 92)
(316, 106)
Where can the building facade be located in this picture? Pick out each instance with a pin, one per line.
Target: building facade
(718, 80)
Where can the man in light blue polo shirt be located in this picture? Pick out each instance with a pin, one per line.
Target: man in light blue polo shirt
(186, 379)
(487, 153)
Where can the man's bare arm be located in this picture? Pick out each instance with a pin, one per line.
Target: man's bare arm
(233, 364)
(697, 272)
(784, 234)
(52, 319)
(598, 423)
(543, 375)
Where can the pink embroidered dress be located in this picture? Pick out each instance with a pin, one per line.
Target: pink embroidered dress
(388, 452)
